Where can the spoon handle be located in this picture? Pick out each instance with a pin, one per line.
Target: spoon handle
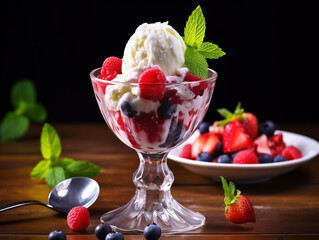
(23, 203)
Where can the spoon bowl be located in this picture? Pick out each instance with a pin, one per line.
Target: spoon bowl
(72, 192)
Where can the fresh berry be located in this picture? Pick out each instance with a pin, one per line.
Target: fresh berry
(265, 158)
(279, 158)
(152, 84)
(102, 230)
(235, 138)
(219, 149)
(128, 109)
(268, 128)
(152, 232)
(204, 143)
(204, 157)
(166, 109)
(198, 89)
(114, 236)
(262, 145)
(186, 151)
(249, 123)
(78, 218)
(217, 129)
(291, 152)
(246, 157)
(238, 208)
(112, 65)
(57, 235)
(276, 144)
(203, 128)
(175, 133)
(224, 158)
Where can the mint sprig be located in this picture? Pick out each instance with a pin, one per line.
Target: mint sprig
(26, 109)
(197, 51)
(55, 169)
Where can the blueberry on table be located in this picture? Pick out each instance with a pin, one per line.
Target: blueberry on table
(204, 157)
(102, 230)
(152, 232)
(114, 236)
(279, 158)
(57, 235)
(265, 158)
(166, 109)
(128, 109)
(267, 127)
(224, 158)
(203, 127)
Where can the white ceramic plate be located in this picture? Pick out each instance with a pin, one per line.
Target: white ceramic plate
(245, 173)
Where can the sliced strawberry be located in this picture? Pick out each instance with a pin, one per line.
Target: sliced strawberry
(291, 152)
(262, 144)
(235, 138)
(246, 157)
(218, 130)
(250, 124)
(204, 143)
(276, 144)
(238, 208)
(186, 151)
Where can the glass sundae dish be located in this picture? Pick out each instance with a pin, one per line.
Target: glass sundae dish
(152, 102)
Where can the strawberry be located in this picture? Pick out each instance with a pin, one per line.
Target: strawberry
(78, 218)
(238, 208)
(204, 143)
(262, 144)
(152, 91)
(246, 157)
(276, 144)
(198, 89)
(218, 130)
(186, 151)
(248, 120)
(235, 138)
(291, 152)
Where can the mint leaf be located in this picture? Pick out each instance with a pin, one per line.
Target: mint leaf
(40, 170)
(55, 175)
(23, 91)
(50, 143)
(13, 126)
(36, 112)
(194, 30)
(196, 62)
(83, 168)
(210, 50)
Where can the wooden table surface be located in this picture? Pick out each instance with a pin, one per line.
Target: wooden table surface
(286, 207)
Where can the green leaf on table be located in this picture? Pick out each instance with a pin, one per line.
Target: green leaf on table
(13, 126)
(40, 170)
(83, 168)
(55, 175)
(23, 91)
(50, 143)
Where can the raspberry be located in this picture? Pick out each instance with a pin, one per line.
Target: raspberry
(198, 89)
(111, 65)
(152, 91)
(246, 157)
(78, 218)
(291, 152)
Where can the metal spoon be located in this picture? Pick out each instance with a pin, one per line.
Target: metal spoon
(72, 192)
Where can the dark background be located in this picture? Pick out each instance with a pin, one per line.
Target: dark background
(270, 64)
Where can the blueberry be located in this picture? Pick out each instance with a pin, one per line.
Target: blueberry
(114, 236)
(102, 230)
(267, 127)
(57, 235)
(204, 157)
(128, 109)
(173, 136)
(152, 232)
(166, 109)
(279, 158)
(224, 158)
(203, 128)
(219, 149)
(265, 158)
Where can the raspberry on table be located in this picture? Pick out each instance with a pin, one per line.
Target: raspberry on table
(78, 218)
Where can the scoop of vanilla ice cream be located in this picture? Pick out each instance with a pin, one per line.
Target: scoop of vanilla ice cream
(154, 45)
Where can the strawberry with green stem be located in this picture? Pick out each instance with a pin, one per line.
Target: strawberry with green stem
(238, 208)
